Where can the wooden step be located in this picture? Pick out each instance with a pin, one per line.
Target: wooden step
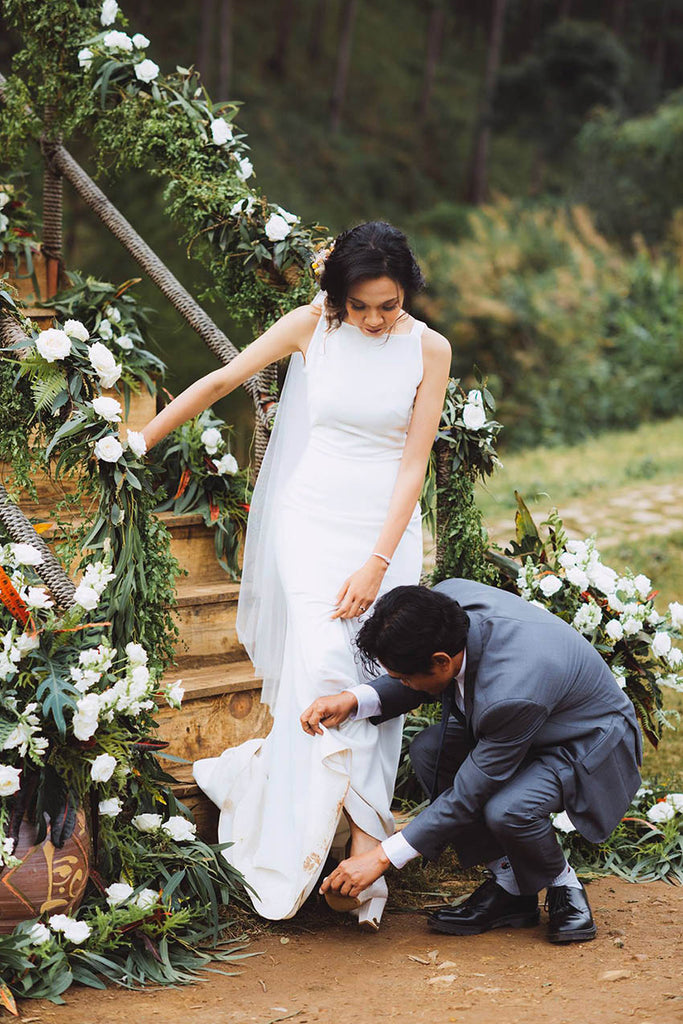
(206, 615)
(193, 544)
(221, 708)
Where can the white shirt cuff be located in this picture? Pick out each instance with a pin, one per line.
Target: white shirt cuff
(369, 703)
(398, 850)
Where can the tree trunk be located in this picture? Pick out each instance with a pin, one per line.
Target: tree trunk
(343, 61)
(437, 19)
(277, 62)
(317, 29)
(477, 178)
(205, 36)
(225, 42)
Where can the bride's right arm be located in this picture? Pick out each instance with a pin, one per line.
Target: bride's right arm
(290, 333)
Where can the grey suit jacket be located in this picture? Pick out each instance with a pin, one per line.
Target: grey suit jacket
(534, 689)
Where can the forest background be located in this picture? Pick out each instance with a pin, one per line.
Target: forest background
(564, 117)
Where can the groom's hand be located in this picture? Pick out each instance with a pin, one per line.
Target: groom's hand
(357, 873)
(328, 711)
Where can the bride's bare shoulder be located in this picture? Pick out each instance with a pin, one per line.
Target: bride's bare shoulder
(301, 323)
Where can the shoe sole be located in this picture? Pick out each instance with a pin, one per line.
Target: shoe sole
(583, 935)
(342, 904)
(514, 921)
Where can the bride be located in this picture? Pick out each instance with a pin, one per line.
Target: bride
(334, 523)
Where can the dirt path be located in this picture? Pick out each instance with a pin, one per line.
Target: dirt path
(328, 972)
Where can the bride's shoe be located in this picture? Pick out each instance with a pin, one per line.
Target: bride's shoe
(367, 907)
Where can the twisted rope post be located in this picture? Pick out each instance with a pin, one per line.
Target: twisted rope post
(52, 208)
(443, 471)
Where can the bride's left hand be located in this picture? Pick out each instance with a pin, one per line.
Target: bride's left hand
(359, 590)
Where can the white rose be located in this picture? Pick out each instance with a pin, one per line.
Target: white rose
(227, 465)
(108, 449)
(277, 227)
(9, 779)
(245, 168)
(137, 655)
(676, 613)
(136, 443)
(661, 644)
(75, 329)
(146, 898)
(85, 57)
(147, 822)
(110, 9)
(676, 801)
(86, 716)
(124, 342)
(104, 364)
(105, 330)
(37, 597)
(108, 408)
(473, 416)
(111, 807)
(118, 892)
(475, 398)
(577, 577)
(240, 207)
(563, 823)
(86, 597)
(675, 657)
(614, 630)
(221, 132)
(118, 41)
(113, 313)
(549, 585)
(27, 642)
(146, 70)
(38, 934)
(140, 42)
(180, 829)
(76, 931)
(662, 811)
(102, 768)
(212, 439)
(26, 554)
(602, 578)
(643, 585)
(53, 344)
(631, 625)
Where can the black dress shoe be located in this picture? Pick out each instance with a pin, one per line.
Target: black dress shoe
(570, 914)
(489, 906)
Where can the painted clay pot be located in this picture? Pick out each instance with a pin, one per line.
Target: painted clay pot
(48, 880)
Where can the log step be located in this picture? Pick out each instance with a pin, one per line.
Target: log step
(206, 614)
(221, 708)
(192, 543)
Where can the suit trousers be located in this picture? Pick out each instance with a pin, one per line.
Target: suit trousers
(514, 823)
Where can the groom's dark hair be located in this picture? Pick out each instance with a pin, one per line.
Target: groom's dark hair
(408, 626)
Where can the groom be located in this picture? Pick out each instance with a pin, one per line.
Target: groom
(533, 722)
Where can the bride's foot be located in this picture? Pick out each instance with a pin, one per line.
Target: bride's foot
(367, 907)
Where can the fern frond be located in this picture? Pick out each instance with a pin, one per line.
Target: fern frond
(45, 389)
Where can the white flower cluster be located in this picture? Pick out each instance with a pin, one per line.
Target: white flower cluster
(621, 606)
(212, 439)
(10, 779)
(25, 737)
(176, 827)
(112, 315)
(54, 344)
(131, 695)
(14, 647)
(96, 578)
(121, 892)
(72, 930)
(7, 858)
(280, 224)
(666, 809)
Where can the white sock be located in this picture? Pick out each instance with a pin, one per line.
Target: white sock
(504, 875)
(567, 877)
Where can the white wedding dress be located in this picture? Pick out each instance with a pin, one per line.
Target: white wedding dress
(281, 798)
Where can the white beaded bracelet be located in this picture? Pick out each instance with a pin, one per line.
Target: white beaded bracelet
(383, 557)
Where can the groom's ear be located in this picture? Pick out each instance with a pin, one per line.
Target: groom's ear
(440, 660)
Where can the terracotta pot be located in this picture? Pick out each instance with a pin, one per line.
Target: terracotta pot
(47, 880)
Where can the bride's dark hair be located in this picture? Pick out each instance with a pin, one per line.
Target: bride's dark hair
(373, 249)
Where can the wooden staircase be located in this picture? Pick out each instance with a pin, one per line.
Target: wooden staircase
(221, 707)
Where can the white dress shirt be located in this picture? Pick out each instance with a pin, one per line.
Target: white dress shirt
(398, 850)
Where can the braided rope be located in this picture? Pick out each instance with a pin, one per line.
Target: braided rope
(52, 193)
(443, 470)
(10, 332)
